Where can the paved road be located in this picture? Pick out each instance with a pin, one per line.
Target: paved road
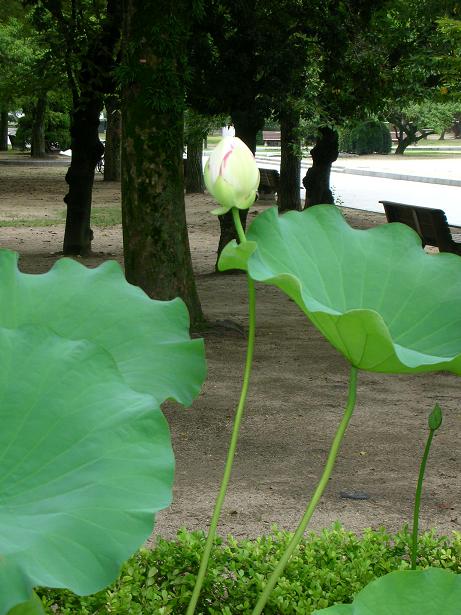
(362, 192)
(365, 192)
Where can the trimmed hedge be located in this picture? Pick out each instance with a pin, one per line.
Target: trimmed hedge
(325, 569)
(371, 137)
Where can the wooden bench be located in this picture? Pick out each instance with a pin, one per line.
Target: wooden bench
(430, 224)
(272, 137)
(268, 183)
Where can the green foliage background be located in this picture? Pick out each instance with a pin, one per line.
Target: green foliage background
(57, 123)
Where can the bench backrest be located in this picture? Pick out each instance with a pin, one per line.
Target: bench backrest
(430, 224)
(271, 135)
(269, 177)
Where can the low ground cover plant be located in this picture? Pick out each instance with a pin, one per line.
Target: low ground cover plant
(325, 568)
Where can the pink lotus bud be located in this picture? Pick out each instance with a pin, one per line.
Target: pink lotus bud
(231, 175)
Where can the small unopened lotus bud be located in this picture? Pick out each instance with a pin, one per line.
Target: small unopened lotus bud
(435, 418)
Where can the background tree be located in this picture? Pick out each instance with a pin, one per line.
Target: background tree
(414, 43)
(388, 58)
(55, 131)
(248, 61)
(86, 36)
(440, 115)
(196, 129)
(409, 126)
(225, 76)
(156, 245)
(9, 56)
(351, 83)
(29, 73)
(418, 120)
(291, 64)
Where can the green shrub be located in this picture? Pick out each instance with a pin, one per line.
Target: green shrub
(370, 137)
(57, 126)
(325, 569)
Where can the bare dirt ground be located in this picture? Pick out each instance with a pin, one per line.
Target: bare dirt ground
(298, 391)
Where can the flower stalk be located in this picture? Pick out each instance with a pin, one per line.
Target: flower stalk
(435, 420)
(323, 482)
(235, 430)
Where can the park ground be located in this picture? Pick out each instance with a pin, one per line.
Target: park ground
(298, 391)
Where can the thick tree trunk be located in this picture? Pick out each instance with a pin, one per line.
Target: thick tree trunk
(37, 149)
(402, 146)
(87, 149)
(194, 174)
(317, 178)
(246, 128)
(113, 135)
(3, 131)
(406, 135)
(156, 244)
(290, 163)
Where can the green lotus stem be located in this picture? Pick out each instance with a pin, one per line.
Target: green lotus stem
(317, 493)
(419, 489)
(235, 431)
(238, 225)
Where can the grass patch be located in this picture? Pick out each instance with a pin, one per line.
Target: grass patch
(413, 153)
(326, 568)
(437, 143)
(106, 216)
(30, 222)
(101, 217)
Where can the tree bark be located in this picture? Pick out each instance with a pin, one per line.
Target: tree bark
(37, 149)
(317, 178)
(246, 127)
(194, 174)
(87, 149)
(3, 131)
(402, 146)
(290, 163)
(406, 135)
(156, 244)
(112, 160)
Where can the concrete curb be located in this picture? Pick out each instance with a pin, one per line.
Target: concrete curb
(444, 181)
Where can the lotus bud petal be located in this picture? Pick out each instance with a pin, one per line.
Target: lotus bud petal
(232, 175)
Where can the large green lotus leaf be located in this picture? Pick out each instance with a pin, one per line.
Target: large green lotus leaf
(85, 462)
(376, 295)
(148, 339)
(433, 591)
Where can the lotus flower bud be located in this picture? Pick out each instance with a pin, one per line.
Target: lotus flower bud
(231, 175)
(435, 418)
